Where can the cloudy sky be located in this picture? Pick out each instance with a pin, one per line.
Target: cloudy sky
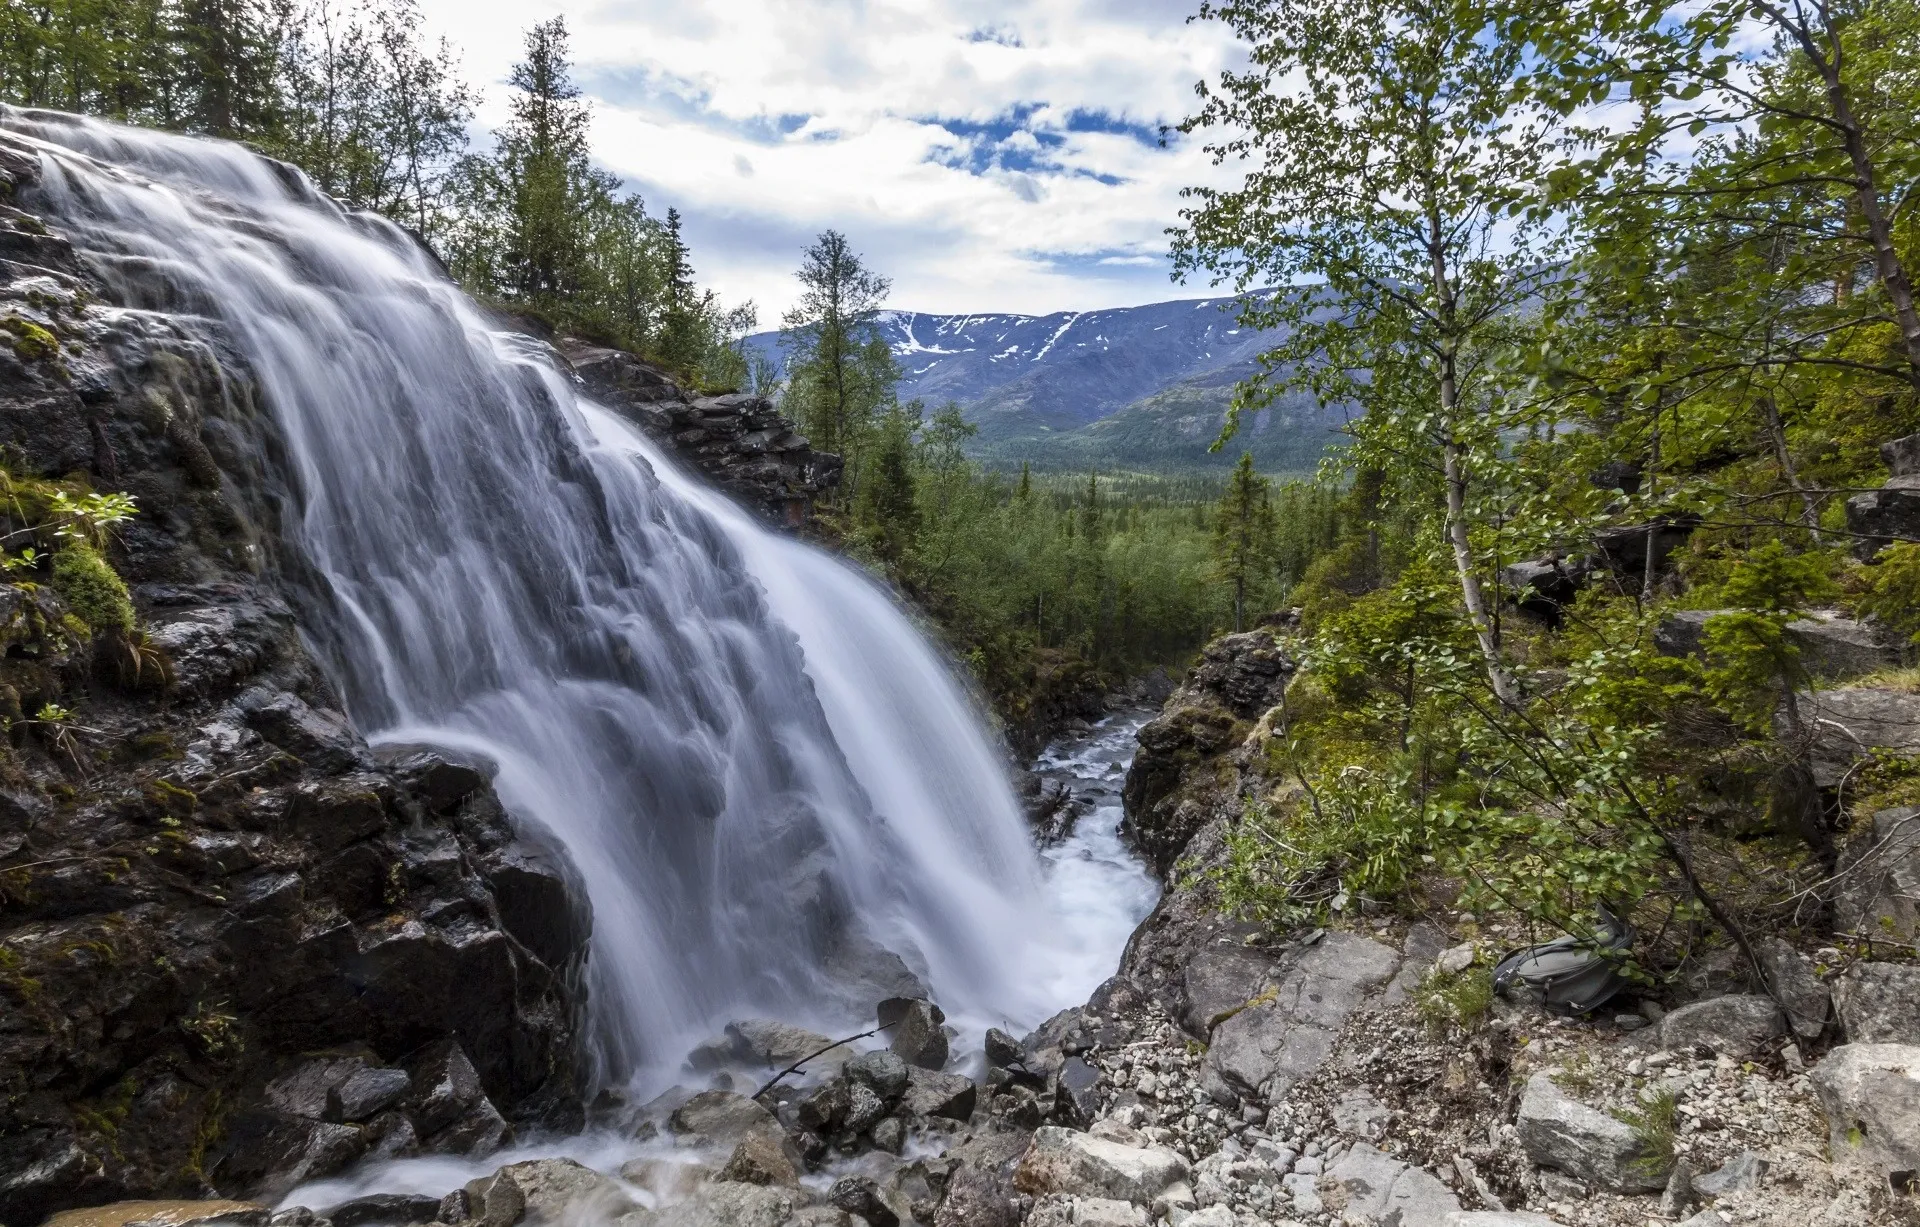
(997, 155)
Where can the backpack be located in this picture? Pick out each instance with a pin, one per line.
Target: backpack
(1570, 975)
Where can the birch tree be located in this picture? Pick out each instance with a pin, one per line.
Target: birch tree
(1393, 169)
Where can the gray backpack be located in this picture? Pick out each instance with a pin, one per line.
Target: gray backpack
(1570, 975)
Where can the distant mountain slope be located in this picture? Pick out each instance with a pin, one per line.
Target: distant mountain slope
(1136, 387)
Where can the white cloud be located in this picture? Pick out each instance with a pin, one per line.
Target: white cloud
(987, 156)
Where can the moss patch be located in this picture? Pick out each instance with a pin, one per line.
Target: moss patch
(92, 589)
(31, 342)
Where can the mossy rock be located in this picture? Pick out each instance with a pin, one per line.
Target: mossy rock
(92, 589)
(31, 342)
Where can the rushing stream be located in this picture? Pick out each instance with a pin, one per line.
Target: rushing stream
(1095, 892)
(775, 794)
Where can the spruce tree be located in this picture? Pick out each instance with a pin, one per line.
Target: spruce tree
(841, 372)
(551, 189)
(1243, 536)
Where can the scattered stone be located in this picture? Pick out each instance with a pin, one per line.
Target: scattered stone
(1879, 1003)
(1560, 1133)
(1740, 1174)
(1362, 1116)
(1678, 1197)
(889, 1135)
(1455, 960)
(1735, 1025)
(722, 1203)
(267, 1153)
(976, 1198)
(1880, 883)
(1878, 517)
(1831, 647)
(1497, 1218)
(1003, 1050)
(1871, 1096)
(667, 1179)
(1062, 1161)
(1220, 980)
(338, 1089)
(448, 1106)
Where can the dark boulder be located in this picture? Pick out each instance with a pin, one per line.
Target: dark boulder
(1892, 513)
(916, 1032)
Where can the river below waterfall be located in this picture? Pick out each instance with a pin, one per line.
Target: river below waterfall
(1096, 891)
(1096, 887)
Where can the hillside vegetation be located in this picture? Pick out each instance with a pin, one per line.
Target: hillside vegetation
(1625, 310)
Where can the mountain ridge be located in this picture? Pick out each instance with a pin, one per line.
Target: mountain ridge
(1145, 386)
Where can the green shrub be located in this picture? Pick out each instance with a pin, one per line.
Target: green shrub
(1462, 998)
(91, 588)
(1893, 594)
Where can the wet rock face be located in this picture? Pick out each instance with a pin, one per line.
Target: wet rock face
(737, 440)
(238, 945)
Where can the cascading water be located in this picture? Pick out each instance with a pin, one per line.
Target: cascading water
(754, 761)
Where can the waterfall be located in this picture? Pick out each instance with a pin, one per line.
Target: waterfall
(759, 768)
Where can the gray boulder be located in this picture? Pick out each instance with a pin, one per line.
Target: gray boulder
(1081, 1165)
(383, 1210)
(859, 1195)
(1286, 1033)
(1850, 723)
(722, 1203)
(760, 1159)
(1879, 517)
(1567, 1136)
(1870, 1094)
(1735, 1025)
(1880, 877)
(932, 1093)
(545, 1191)
(448, 1106)
(916, 1034)
(1879, 1003)
(884, 1073)
(1791, 974)
(1221, 979)
(764, 1042)
(207, 1213)
(338, 1089)
(1498, 1218)
(1831, 647)
(1378, 1188)
(721, 1118)
(977, 1198)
